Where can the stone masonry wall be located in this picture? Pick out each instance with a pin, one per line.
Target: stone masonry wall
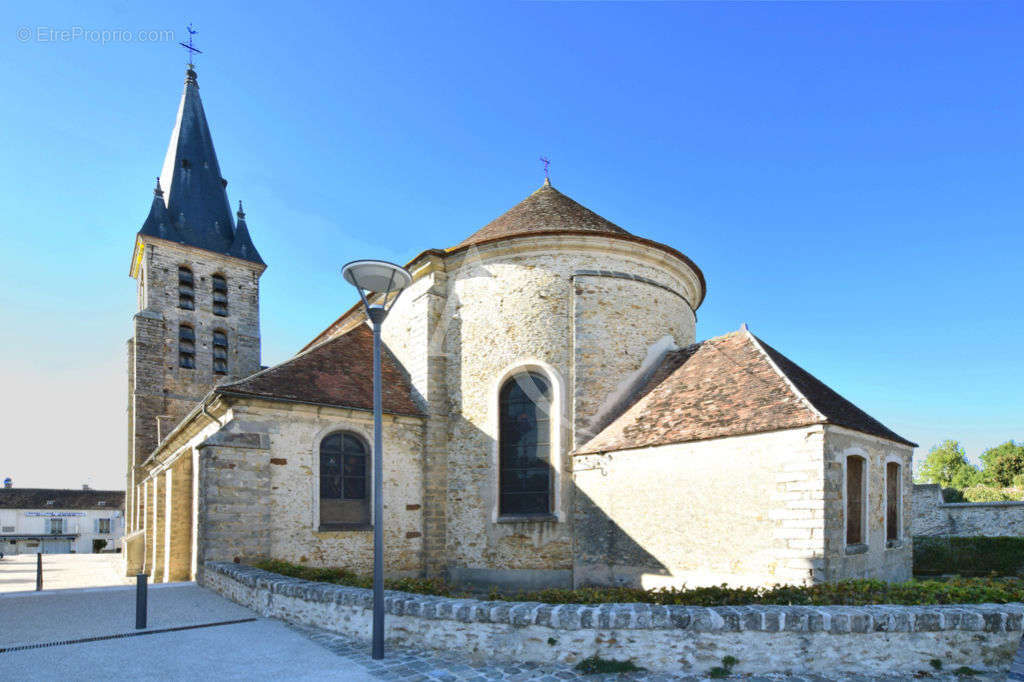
(824, 640)
(160, 390)
(746, 510)
(293, 434)
(614, 336)
(233, 516)
(179, 556)
(876, 559)
(414, 333)
(511, 305)
(933, 516)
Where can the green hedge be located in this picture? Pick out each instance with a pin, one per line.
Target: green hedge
(970, 556)
(847, 592)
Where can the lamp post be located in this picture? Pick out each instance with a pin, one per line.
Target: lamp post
(377, 279)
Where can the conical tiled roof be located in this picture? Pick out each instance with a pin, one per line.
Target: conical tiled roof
(243, 247)
(158, 222)
(195, 195)
(546, 210)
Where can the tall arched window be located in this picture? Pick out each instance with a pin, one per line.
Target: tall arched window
(892, 503)
(344, 481)
(186, 346)
(220, 295)
(186, 293)
(856, 500)
(524, 445)
(220, 352)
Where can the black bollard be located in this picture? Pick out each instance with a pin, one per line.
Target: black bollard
(140, 600)
(39, 571)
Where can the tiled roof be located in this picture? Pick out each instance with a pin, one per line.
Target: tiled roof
(545, 210)
(730, 385)
(37, 498)
(338, 373)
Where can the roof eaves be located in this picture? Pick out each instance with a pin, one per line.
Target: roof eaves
(278, 399)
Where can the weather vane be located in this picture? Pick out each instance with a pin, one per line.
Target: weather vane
(547, 162)
(191, 50)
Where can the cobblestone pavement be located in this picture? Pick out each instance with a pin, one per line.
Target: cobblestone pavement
(412, 665)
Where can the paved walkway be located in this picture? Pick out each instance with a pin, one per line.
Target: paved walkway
(258, 649)
(61, 571)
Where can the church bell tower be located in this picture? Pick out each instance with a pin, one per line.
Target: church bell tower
(198, 272)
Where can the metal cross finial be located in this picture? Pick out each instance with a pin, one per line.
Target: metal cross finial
(547, 162)
(189, 49)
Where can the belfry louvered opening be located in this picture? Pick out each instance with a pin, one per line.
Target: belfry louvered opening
(186, 290)
(220, 295)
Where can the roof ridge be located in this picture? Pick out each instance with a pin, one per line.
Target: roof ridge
(785, 377)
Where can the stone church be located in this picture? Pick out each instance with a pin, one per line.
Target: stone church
(550, 418)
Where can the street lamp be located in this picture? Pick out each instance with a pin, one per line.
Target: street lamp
(380, 278)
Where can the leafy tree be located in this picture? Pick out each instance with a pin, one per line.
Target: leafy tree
(1002, 464)
(947, 465)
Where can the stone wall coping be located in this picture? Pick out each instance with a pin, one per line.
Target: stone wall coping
(758, 618)
(976, 505)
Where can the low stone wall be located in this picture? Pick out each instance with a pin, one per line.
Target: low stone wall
(933, 516)
(797, 639)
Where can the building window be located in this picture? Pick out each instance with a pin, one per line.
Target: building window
(103, 526)
(524, 445)
(855, 500)
(220, 295)
(344, 498)
(186, 347)
(55, 526)
(220, 352)
(186, 292)
(892, 503)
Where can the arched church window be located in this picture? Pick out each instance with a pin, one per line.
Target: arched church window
(524, 445)
(220, 352)
(186, 347)
(186, 292)
(856, 500)
(893, 502)
(220, 295)
(344, 481)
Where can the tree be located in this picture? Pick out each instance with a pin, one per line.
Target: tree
(1002, 464)
(947, 465)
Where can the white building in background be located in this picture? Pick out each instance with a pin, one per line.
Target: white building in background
(56, 521)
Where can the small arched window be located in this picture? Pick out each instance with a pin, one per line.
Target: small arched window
(186, 347)
(344, 481)
(524, 445)
(856, 500)
(220, 295)
(186, 292)
(220, 352)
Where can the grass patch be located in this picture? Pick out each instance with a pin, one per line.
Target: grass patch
(969, 556)
(597, 666)
(847, 592)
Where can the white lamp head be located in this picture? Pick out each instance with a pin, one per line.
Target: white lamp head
(376, 276)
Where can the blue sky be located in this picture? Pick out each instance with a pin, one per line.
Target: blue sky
(848, 176)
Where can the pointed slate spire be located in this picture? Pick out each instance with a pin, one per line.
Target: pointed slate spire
(195, 191)
(158, 222)
(242, 247)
